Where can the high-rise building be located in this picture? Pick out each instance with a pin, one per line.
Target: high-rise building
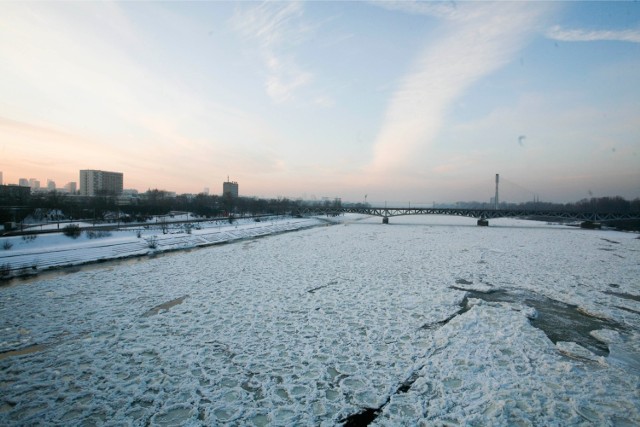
(23, 182)
(34, 184)
(71, 187)
(1, 183)
(230, 187)
(51, 185)
(98, 183)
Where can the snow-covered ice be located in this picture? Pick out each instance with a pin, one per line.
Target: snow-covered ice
(313, 327)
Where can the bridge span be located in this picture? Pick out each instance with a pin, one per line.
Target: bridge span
(482, 215)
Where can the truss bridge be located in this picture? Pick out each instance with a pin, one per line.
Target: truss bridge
(482, 215)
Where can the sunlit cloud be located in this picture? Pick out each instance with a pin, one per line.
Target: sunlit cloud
(578, 35)
(477, 43)
(276, 27)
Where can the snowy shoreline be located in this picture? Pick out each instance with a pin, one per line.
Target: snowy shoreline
(31, 256)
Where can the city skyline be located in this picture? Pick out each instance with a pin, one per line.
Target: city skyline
(420, 101)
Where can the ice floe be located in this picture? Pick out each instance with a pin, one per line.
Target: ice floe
(318, 326)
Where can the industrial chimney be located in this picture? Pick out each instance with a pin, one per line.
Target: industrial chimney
(496, 199)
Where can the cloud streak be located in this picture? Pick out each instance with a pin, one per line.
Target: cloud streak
(276, 27)
(480, 39)
(437, 9)
(578, 35)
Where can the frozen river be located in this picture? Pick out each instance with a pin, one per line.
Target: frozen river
(426, 321)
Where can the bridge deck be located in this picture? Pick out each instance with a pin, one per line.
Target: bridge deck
(478, 213)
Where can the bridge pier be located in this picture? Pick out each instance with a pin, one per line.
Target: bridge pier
(385, 220)
(591, 225)
(483, 222)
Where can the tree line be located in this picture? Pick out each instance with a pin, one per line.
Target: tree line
(616, 204)
(54, 205)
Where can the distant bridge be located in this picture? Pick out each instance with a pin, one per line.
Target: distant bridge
(482, 215)
(590, 219)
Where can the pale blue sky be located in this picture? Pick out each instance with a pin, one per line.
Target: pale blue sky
(403, 101)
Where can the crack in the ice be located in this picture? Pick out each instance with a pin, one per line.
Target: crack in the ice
(164, 306)
(623, 295)
(439, 324)
(311, 291)
(610, 241)
(368, 415)
(363, 418)
(406, 386)
(627, 309)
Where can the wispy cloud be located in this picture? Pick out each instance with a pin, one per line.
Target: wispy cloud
(578, 35)
(482, 38)
(285, 77)
(277, 28)
(438, 9)
(324, 101)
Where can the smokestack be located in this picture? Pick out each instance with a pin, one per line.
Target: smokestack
(496, 199)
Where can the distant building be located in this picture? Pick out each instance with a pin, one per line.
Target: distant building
(230, 187)
(1, 183)
(71, 187)
(23, 182)
(51, 185)
(34, 184)
(129, 196)
(100, 183)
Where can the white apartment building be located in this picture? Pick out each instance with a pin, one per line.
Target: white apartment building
(96, 183)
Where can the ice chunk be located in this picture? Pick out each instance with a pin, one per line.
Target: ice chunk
(576, 351)
(606, 336)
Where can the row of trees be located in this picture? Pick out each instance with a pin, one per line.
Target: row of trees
(54, 206)
(615, 204)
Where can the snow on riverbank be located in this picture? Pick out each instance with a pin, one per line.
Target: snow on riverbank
(32, 254)
(314, 327)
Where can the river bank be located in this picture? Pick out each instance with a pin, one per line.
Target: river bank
(28, 256)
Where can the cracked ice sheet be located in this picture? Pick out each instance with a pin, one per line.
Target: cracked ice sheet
(251, 344)
(489, 367)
